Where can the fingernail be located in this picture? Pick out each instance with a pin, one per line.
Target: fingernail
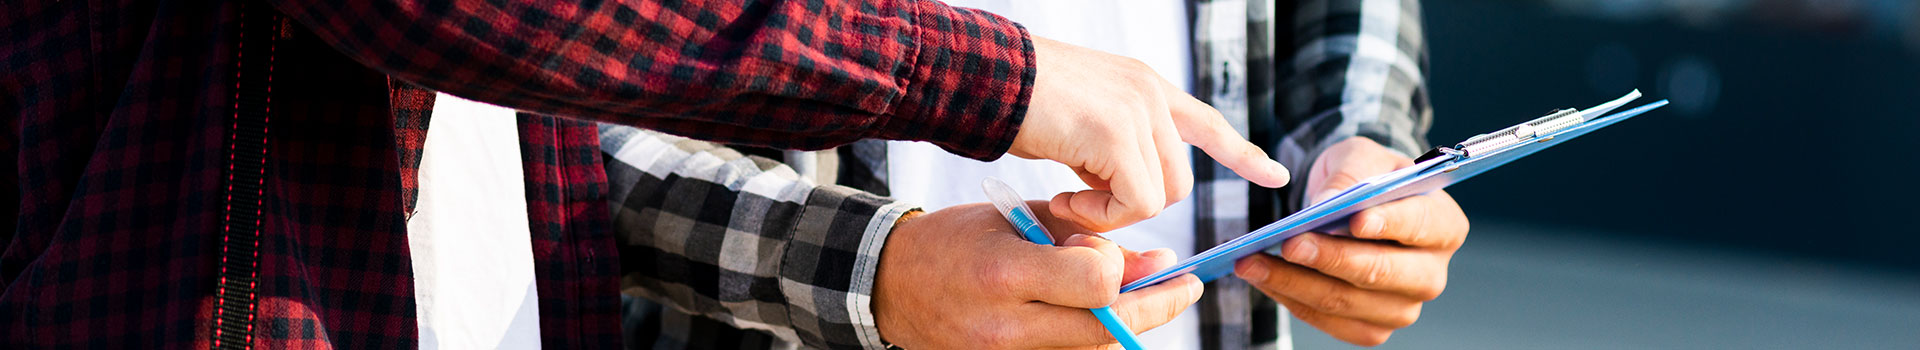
(1372, 228)
(1196, 287)
(1156, 253)
(1251, 270)
(1300, 250)
(1078, 239)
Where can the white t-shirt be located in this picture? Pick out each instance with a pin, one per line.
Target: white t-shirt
(471, 246)
(1154, 32)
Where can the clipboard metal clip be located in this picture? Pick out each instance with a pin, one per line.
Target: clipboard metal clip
(1536, 129)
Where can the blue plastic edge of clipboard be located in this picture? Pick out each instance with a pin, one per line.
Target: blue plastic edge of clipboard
(1332, 213)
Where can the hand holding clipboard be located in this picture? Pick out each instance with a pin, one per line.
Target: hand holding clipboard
(1434, 170)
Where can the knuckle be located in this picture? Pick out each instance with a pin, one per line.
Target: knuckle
(1165, 312)
(1002, 276)
(1099, 162)
(1134, 317)
(1310, 316)
(1373, 338)
(1289, 285)
(1378, 273)
(1104, 277)
(1108, 281)
(1419, 234)
(1107, 133)
(1367, 218)
(1181, 181)
(1405, 318)
(1334, 303)
(1466, 226)
(1137, 66)
(1148, 83)
(995, 336)
(1142, 211)
(1332, 258)
(1108, 295)
(1181, 190)
(1432, 290)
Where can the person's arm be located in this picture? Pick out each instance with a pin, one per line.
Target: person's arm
(1357, 68)
(745, 241)
(783, 73)
(810, 74)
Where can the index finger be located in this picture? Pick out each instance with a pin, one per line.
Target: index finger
(1141, 310)
(1202, 126)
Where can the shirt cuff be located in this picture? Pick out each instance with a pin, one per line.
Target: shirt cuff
(829, 267)
(866, 272)
(969, 84)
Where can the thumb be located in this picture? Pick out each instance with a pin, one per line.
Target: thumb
(1141, 264)
(1346, 163)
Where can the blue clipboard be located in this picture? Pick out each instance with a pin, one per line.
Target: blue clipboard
(1437, 169)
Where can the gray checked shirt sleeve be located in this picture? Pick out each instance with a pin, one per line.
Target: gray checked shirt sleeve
(744, 240)
(1351, 68)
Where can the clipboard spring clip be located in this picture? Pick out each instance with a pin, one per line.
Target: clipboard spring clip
(1533, 130)
(1528, 131)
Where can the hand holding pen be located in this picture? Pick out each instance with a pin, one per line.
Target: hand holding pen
(1015, 209)
(961, 278)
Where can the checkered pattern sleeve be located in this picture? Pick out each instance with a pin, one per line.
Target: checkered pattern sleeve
(744, 240)
(794, 74)
(1357, 68)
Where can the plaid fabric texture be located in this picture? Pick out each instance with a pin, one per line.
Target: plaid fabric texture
(1342, 68)
(574, 259)
(119, 132)
(805, 74)
(1221, 32)
(412, 110)
(719, 237)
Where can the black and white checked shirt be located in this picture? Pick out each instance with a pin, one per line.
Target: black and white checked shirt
(1334, 69)
(721, 250)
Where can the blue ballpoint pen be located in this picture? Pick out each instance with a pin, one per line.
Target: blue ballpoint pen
(1015, 209)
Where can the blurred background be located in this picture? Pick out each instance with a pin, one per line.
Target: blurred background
(1770, 206)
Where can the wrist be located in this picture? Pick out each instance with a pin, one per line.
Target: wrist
(826, 257)
(898, 243)
(968, 82)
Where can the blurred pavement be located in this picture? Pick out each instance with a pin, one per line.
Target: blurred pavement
(1521, 286)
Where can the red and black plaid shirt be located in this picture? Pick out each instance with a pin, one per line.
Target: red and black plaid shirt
(122, 112)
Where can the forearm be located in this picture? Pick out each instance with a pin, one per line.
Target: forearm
(1341, 81)
(784, 74)
(744, 240)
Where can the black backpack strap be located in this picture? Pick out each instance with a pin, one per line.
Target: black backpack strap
(245, 181)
